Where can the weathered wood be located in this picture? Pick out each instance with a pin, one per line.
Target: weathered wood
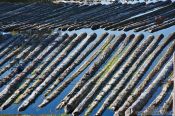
(138, 75)
(145, 82)
(58, 90)
(57, 71)
(104, 80)
(78, 61)
(158, 100)
(12, 86)
(92, 70)
(167, 105)
(84, 91)
(121, 73)
(65, 50)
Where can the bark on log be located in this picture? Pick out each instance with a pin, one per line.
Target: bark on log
(124, 93)
(147, 94)
(121, 83)
(92, 70)
(57, 72)
(141, 87)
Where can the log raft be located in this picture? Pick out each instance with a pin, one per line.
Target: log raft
(50, 67)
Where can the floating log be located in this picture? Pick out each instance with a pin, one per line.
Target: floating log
(65, 50)
(15, 52)
(12, 86)
(124, 93)
(83, 92)
(158, 100)
(78, 61)
(141, 87)
(57, 71)
(42, 16)
(92, 70)
(107, 76)
(17, 42)
(22, 55)
(121, 74)
(119, 51)
(58, 90)
(167, 105)
(146, 95)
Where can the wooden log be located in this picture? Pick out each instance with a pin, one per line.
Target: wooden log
(167, 105)
(158, 100)
(142, 17)
(84, 91)
(138, 74)
(22, 55)
(141, 87)
(121, 48)
(12, 86)
(78, 61)
(92, 70)
(57, 71)
(121, 74)
(49, 98)
(44, 70)
(16, 43)
(105, 79)
(27, 82)
(58, 90)
(147, 94)
(6, 43)
(22, 44)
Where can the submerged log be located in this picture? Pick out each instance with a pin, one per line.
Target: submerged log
(147, 94)
(145, 82)
(121, 74)
(92, 70)
(57, 72)
(138, 75)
